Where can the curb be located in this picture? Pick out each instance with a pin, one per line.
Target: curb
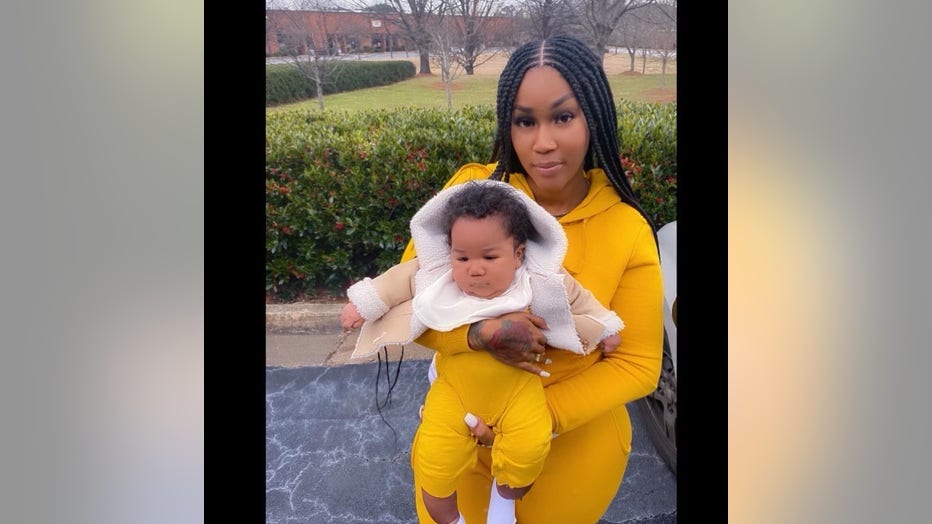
(309, 334)
(303, 318)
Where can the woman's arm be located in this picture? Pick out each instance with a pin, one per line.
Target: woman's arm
(632, 370)
(513, 338)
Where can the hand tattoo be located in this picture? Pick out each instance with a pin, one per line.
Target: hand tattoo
(472, 335)
(511, 342)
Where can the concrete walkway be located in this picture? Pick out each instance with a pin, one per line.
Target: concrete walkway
(334, 456)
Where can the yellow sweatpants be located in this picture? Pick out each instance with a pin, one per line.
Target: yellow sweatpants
(580, 478)
(508, 399)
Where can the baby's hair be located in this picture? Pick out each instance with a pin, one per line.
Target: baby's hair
(477, 200)
(583, 71)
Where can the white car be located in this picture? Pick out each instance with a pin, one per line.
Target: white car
(659, 408)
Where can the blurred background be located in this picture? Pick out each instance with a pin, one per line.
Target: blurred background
(102, 284)
(828, 256)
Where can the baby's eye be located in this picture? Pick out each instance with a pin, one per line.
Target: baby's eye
(461, 259)
(491, 257)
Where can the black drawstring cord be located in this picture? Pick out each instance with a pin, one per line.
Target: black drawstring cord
(391, 383)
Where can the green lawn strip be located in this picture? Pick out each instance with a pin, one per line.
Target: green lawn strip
(429, 92)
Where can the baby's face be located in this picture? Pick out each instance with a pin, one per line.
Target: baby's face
(483, 256)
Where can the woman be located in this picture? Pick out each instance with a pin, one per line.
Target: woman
(557, 142)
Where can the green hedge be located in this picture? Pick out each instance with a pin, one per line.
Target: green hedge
(341, 187)
(287, 83)
(648, 155)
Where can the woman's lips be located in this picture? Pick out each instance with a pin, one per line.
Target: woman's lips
(547, 167)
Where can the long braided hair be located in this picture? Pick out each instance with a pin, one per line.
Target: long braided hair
(581, 69)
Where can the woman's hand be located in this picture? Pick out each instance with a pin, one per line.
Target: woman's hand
(480, 430)
(514, 338)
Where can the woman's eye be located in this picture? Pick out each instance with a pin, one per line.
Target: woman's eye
(522, 122)
(563, 118)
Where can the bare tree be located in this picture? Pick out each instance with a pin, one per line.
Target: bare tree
(664, 43)
(599, 18)
(303, 36)
(631, 35)
(662, 40)
(413, 18)
(468, 24)
(645, 52)
(443, 55)
(648, 31)
(669, 10)
(548, 18)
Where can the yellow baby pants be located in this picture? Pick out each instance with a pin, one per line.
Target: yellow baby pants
(506, 398)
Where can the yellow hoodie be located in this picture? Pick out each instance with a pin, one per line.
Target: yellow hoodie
(613, 254)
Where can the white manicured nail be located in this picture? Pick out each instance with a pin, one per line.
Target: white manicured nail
(471, 420)
(544, 374)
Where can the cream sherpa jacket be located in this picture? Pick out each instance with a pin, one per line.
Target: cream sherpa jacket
(576, 320)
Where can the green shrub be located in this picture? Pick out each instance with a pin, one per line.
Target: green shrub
(647, 132)
(341, 187)
(648, 156)
(292, 82)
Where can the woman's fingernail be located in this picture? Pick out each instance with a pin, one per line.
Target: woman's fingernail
(544, 374)
(548, 361)
(471, 420)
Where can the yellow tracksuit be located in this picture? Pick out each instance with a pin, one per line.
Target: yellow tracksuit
(613, 254)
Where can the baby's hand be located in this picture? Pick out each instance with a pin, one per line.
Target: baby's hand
(350, 317)
(610, 343)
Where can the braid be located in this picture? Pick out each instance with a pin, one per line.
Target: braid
(524, 58)
(582, 70)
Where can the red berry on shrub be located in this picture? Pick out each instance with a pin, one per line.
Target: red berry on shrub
(340, 226)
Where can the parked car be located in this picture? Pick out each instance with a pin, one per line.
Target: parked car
(659, 408)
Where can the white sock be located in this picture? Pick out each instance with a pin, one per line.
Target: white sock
(501, 510)
(432, 371)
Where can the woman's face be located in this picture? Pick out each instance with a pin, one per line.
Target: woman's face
(483, 256)
(548, 130)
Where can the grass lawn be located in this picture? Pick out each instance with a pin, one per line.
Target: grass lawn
(479, 89)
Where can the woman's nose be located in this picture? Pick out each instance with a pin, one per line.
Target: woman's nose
(544, 141)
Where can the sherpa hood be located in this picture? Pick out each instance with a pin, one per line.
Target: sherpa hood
(543, 254)
(543, 259)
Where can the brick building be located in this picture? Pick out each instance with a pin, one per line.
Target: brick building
(338, 32)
